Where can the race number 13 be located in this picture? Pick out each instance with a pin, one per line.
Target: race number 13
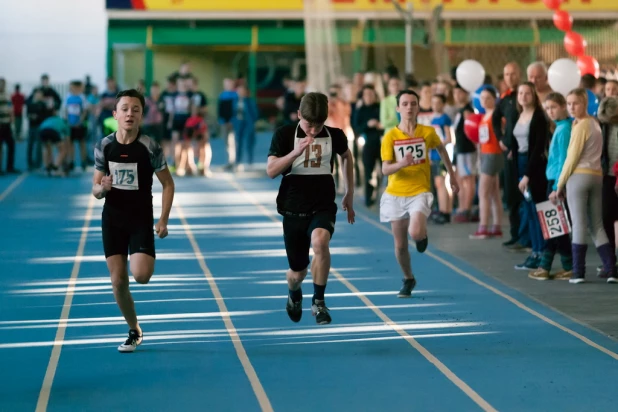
(414, 147)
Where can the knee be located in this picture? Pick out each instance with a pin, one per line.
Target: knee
(416, 233)
(120, 281)
(297, 276)
(142, 276)
(320, 240)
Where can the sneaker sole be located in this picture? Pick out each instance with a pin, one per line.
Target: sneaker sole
(400, 296)
(576, 281)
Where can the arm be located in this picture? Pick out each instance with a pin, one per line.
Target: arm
(563, 141)
(167, 182)
(348, 170)
(446, 159)
(496, 122)
(277, 165)
(98, 189)
(390, 167)
(579, 135)
(538, 140)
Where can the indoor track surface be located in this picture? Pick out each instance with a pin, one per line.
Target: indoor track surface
(216, 333)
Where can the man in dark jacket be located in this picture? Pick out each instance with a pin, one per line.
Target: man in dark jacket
(507, 110)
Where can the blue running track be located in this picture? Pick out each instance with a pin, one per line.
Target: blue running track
(216, 334)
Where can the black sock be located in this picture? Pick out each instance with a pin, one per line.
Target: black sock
(318, 292)
(296, 295)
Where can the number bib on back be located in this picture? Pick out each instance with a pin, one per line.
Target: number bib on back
(74, 110)
(315, 160)
(124, 175)
(483, 134)
(416, 147)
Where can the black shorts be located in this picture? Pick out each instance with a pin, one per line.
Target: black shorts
(297, 236)
(78, 133)
(49, 135)
(122, 236)
(178, 122)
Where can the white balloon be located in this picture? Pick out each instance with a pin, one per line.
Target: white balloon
(564, 76)
(470, 75)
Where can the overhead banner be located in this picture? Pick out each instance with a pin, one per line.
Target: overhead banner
(356, 5)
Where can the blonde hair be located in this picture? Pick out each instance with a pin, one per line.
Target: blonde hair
(581, 93)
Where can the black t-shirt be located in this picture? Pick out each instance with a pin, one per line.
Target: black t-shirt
(199, 99)
(462, 143)
(308, 186)
(131, 167)
(182, 103)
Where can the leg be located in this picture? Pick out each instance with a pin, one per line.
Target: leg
(10, 157)
(486, 190)
(497, 208)
(320, 264)
(577, 198)
(609, 205)
(239, 135)
(250, 143)
(297, 245)
(321, 229)
(117, 266)
(402, 253)
(604, 248)
(369, 162)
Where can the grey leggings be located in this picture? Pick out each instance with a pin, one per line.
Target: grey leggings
(584, 196)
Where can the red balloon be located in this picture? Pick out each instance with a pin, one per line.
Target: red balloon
(471, 126)
(563, 20)
(588, 65)
(575, 44)
(552, 4)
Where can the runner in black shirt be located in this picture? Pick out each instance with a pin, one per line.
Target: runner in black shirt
(304, 154)
(124, 164)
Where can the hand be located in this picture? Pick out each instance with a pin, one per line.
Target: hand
(503, 147)
(510, 155)
(372, 123)
(294, 116)
(161, 228)
(553, 197)
(407, 160)
(303, 145)
(523, 184)
(106, 183)
(560, 194)
(454, 184)
(347, 204)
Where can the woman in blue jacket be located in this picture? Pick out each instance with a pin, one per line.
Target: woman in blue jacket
(244, 116)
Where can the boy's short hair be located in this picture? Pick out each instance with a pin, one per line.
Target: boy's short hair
(314, 108)
(131, 93)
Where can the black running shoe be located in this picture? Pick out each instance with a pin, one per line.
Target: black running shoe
(320, 311)
(294, 309)
(421, 245)
(406, 289)
(132, 342)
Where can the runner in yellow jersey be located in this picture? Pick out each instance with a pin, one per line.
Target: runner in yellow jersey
(407, 201)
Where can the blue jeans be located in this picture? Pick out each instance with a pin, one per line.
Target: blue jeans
(530, 227)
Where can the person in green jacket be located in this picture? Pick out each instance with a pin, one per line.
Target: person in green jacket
(54, 132)
(388, 106)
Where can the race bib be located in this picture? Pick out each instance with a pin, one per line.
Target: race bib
(424, 119)
(74, 110)
(124, 175)
(483, 134)
(416, 147)
(315, 160)
(554, 220)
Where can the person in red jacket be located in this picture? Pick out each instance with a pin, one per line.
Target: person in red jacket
(18, 100)
(195, 130)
